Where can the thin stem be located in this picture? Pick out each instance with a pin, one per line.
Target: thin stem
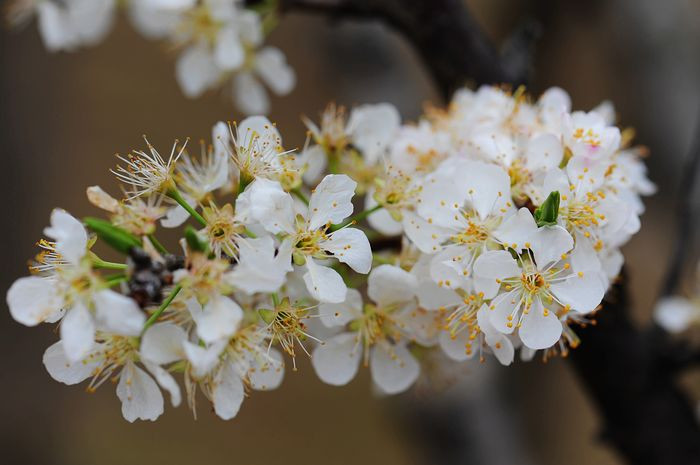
(115, 279)
(356, 218)
(156, 243)
(300, 195)
(176, 196)
(97, 262)
(168, 300)
(275, 299)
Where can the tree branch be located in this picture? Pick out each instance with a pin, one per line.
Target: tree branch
(450, 42)
(686, 216)
(626, 372)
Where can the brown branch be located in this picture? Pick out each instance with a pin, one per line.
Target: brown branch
(450, 42)
(645, 416)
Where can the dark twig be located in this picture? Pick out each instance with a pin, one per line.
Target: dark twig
(685, 214)
(449, 40)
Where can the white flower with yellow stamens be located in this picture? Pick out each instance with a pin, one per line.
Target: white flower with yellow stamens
(115, 357)
(224, 369)
(527, 292)
(73, 288)
(376, 333)
(148, 173)
(308, 231)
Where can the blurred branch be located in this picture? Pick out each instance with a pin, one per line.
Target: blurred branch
(627, 373)
(686, 215)
(444, 32)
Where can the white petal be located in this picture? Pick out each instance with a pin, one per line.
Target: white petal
(331, 200)
(228, 53)
(426, 236)
(57, 31)
(249, 94)
(33, 300)
(166, 381)
(219, 320)
(337, 360)
(265, 371)
(258, 269)
(675, 314)
(451, 268)
(203, 359)
(313, 163)
(101, 199)
(549, 243)
(501, 308)
(516, 230)
(265, 202)
(544, 151)
(140, 396)
(350, 245)
(388, 284)
(64, 371)
(271, 65)
(324, 283)
(196, 71)
(77, 332)
(393, 368)
(340, 314)
(456, 347)
(176, 215)
(227, 392)
(540, 328)
(69, 234)
(583, 291)
(485, 186)
(116, 313)
(372, 128)
(501, 347)
(492, 266)
(162, 343)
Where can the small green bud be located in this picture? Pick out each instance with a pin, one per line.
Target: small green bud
(195, 241)
(547, 213)
(118, 238)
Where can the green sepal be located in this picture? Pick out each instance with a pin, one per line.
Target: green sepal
(267, 315)
(547, 213)
(195, 241)
(118, 238)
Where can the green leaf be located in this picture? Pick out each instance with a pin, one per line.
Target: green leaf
(195, 241)
(547, 213)
(118, 238)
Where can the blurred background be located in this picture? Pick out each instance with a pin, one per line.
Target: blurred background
(63, 116)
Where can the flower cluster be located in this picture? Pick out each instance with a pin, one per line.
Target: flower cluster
(495, 226)
(219, 42)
